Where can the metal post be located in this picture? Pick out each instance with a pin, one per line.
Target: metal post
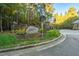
(42, 28)
(28, 16)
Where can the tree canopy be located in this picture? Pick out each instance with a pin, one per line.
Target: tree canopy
(25, 13)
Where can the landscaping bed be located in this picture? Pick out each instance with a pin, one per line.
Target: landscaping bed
(8, 40)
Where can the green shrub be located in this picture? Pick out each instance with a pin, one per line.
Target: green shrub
(7, 39)
(20, 31)
(52, 34)
(42, 30)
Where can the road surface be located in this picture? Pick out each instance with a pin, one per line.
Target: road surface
(69, 47)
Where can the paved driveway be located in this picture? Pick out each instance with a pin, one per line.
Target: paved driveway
(70, 47)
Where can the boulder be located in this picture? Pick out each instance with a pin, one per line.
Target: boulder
(32, 30)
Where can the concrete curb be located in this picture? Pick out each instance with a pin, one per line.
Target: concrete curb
(29, 46)
(56, 42)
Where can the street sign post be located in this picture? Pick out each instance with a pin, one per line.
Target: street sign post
(42, 19)
(42, 16)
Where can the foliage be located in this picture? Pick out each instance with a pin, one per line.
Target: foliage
(72, 12)
(30, 41)
(66, 21)
(21, 31)
(49, 9)
(42, 30)
(22, 13)
(52, 34)
(69, 23)
(7, 39)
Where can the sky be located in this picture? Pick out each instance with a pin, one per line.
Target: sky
(62, 7)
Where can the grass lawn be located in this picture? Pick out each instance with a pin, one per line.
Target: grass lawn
(8, 40)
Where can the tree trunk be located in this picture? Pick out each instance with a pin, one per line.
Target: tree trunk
(1, 25)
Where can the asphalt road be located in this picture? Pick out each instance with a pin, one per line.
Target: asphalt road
(69, 47)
